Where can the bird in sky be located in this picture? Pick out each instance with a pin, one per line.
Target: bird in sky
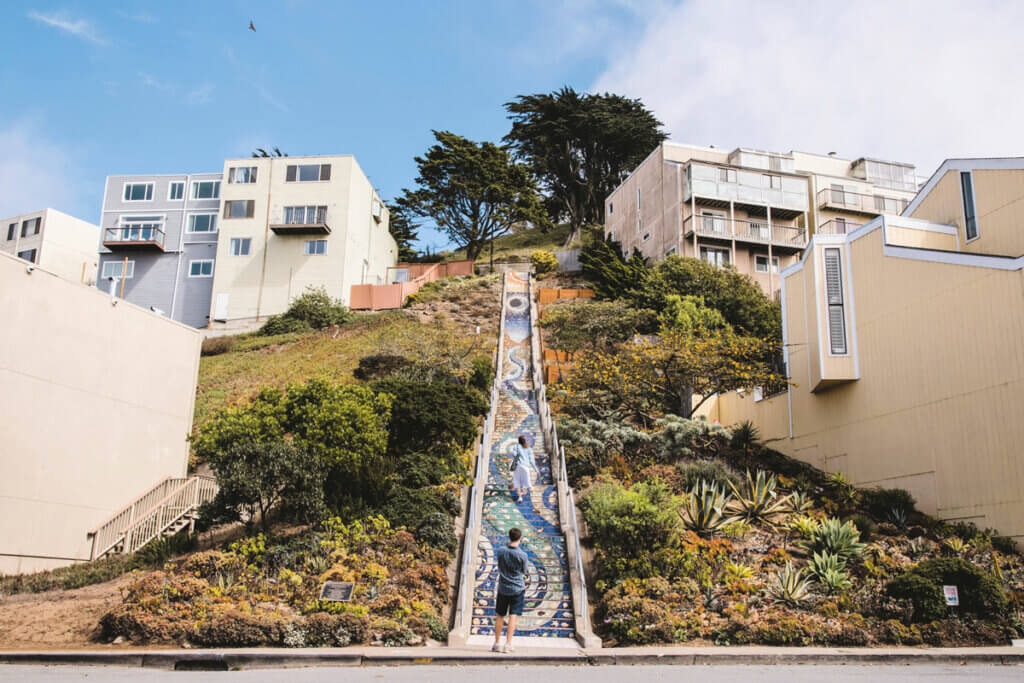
(251, 27)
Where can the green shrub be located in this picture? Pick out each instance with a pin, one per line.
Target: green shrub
(1004, 544)
(881, 502)
(714, 471)
(425, 416)
(678, 437)
(596, 325)
(213, 346)
(979, 591)
(233, 628)
(412, 507)
(379, 366)
(865, 525)
(437, 530)
(436, 628)
(282, 324)
(316, 307)
(159, 550)
(482, 375)
(543, 262)
(66, 578)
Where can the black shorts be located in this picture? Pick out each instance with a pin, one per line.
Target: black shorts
(505, 605)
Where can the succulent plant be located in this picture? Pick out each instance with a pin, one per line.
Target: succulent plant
(830, 572)
(788, 585)
(954, 545)
(756, 499)
(804, 526)
(800, 501)
(897, 516)
(837, 538)
(703, 509)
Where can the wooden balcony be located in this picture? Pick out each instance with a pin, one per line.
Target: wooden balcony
(134, 238)
(745, 230)
(856, 202)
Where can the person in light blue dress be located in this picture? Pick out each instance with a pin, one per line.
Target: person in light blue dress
(524, 465)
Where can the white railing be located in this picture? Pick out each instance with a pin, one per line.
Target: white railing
(567, 503)
(151, 514)
(470, 539)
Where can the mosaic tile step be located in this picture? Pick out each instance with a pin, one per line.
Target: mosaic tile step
(547, 633)
(553, 587)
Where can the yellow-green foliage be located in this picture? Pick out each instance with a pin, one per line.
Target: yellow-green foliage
(261, 592)
(543, 261)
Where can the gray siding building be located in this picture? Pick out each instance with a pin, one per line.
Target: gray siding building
(158, 242)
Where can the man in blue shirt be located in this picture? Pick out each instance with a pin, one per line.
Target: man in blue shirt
(511, 592)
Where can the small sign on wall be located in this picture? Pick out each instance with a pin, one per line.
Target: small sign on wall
(337, 591)
(952, 596)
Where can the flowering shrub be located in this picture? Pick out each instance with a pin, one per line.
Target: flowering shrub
(263, 591)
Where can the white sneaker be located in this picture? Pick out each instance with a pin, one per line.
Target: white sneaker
(508, 649)
(496, 647)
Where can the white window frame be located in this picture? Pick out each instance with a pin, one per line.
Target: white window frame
(757, 263)
(126, 223)
(190, 223)
(974, 206)
(232, 175)
(200, 261)
(314, 252)
(726, 262)
(236, 244)
(840, 303)
(170, 191)
(195, 190)
(319, 211)
(106, 275)
(124, 191)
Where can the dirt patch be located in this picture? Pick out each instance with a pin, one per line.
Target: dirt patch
(57, 619)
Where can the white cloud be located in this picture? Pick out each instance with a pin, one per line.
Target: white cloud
(81, 28)
(201, 94)
(152, 82)
(36, 173)
(269, 98)
(910, 81)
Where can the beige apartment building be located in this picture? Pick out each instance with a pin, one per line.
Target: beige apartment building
(60, 243)
(751, 209)
(96, 396)
(904, 340)
(290, 223)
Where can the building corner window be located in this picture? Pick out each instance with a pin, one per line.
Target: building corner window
(970, 214)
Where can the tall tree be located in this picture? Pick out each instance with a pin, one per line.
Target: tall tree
(473, 191)
(403, 229)
(581, 147)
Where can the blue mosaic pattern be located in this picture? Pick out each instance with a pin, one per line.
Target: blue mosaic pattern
(548, 612)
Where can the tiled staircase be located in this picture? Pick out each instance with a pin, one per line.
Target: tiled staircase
(548, 613)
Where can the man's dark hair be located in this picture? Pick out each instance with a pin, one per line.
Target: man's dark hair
(522, 440)
(514, 534)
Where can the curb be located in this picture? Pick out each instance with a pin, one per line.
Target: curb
(228, 660)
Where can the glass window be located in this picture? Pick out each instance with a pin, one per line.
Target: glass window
(28, 255)
(305, 215)
(761, 264)
(206, 189)
(244, 174)
(12, 229)
(309, 172)
(716, 257)
(138, 192)
(140, 229)
(202, 268)
(970, 217)
(316, 247)
(203, 222)
(112, 269)
(177, 191)
(240, 246)
(239, 208)
(30, 227)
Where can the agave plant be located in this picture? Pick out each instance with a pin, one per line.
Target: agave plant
(837, 538)
(703, 509)
(757, 500)
(738, 570)
(745, 435)
(834, 581)
(917, 547)
(800, 501)
(897, 517)
(822, 563)
(788, 585)
(955, 545)
(846, 495)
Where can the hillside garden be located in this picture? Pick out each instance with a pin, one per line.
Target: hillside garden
(701, 534)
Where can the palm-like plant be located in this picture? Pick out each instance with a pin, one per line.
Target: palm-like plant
(703, 509)
(757, 499)
(800, 501)
(954, 545)
(788, 585)
(837, 538)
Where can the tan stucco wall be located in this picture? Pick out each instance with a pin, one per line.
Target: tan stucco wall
(97, 405)
(277, 270)
(998, 195)
(937, 407)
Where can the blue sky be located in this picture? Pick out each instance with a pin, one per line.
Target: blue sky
(162, 88)
(93, 89)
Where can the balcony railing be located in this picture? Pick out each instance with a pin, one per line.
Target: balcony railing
(723, 227)
(747, 186)
(306, 225)
(874, 204)
(837, 226)
(134, 237)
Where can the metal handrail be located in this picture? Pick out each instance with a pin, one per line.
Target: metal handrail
(860, 201)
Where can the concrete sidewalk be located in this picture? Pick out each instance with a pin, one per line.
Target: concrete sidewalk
(257, 658)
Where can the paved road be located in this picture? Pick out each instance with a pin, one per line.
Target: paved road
(514, 674)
